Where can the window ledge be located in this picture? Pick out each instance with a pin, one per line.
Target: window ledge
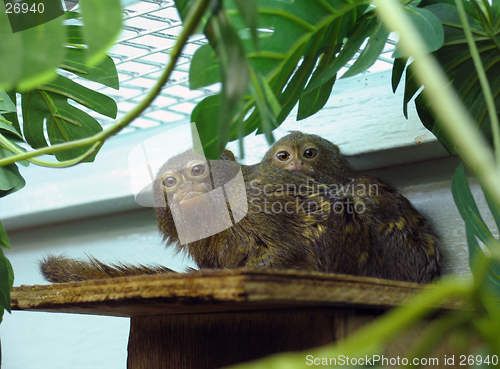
(363, 117)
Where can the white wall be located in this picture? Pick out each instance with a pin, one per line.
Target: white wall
(89, 209)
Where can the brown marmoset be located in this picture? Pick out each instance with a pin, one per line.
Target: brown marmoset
(375, 231)
(269, 224)
(270, 219)
(319, 215)
(310, 155)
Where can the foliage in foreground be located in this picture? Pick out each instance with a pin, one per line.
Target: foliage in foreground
(284, 53)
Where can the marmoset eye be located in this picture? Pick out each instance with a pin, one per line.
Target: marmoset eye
(170, 182)
(310, 153)
(283, 156)
(198, 170)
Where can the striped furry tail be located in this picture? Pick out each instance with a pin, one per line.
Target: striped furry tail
(61, 269)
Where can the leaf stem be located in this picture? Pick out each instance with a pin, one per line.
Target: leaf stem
(52, 164)
(490, 102)
(189, 26)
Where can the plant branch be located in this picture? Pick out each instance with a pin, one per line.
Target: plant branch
(191, 22)
(45, 163)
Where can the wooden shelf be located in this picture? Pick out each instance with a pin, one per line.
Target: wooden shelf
(211, 319)
(213, 291)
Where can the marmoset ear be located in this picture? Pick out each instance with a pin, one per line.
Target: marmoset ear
(229, 154)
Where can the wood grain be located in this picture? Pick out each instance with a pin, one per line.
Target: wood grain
(213, 291)
(215, 340)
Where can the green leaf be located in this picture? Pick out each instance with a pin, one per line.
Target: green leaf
(49, 103)
(13, 140)
(272, 103)
(397, 72)
(74, 35)
(481, 265)
(289, 34)
(475, 252)
(104, 73)
(9, 128)
(467, 206)
(411, 88)
(447, 14)
(8, 110)
(494, 208)
(12, 117)
(475, 228)
(234, 73)
(429, 27)
(85, 96)
(33, 14)
(310, 103)
(64, 123)
(248, 11)
(4, 239)
(206, 117)
(287, 98)
(469, 9)
(204, 68)
(313, 100)
(370, 53)
(456, 61)
(426, 115)
(6, 280)
(267, 105)
(295, 87)
(6, 104)
(30, 57)
(102, 22)
(35, 113)
(9, 175)
(10, 178)
(184, 6)
(47, 110)
(495, 12)
(64, 126)
(356, 38)
(19, 186)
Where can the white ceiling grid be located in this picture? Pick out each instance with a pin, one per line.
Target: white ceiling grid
(142, 52)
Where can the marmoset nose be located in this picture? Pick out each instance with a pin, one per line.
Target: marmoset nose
(296, 165)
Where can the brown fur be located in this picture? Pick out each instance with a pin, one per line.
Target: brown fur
(376, 231)
(307, 218)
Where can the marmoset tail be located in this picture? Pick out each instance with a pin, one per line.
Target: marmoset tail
(60, 269)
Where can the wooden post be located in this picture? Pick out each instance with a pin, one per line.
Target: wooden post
(211, 319)
(209, 341)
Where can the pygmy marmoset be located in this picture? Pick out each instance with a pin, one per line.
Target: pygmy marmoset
(375, 231)
(266, 223)
(318, 215)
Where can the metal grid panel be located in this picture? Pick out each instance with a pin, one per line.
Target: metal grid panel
(141, 53)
